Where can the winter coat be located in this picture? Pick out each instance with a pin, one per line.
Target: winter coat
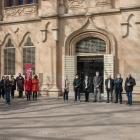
(88, 85)
(7, 85)
(66, 84)
(13, 86)
(132, 83)
(28, 84)
(78, 85)
(20, 83)
(35, 86)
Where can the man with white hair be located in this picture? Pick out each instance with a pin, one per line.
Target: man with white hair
(97, 81)
(66, 88)
(129, 84)
(109, 84)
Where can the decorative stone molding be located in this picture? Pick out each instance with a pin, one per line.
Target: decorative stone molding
(55, 32)
(21, 10)
(103, 2)
(75, 3)
(125, 29)
(43, 35)
(138, 24)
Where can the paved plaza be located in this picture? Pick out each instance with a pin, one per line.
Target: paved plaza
(52, 119)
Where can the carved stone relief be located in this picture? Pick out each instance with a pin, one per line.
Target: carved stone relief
(17, 11)
(103, 2)
(75, 3)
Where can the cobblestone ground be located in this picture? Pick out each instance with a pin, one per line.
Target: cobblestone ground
(52, 119)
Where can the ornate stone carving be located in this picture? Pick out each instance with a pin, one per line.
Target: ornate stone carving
(75, 3)
(125, 29)
(103, 2)
(20, 10)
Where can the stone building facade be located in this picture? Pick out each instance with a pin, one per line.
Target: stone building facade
(70, 36)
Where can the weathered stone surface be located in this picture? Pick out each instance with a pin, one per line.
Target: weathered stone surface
(53, 119)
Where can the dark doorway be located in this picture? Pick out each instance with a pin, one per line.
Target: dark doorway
(89, 65)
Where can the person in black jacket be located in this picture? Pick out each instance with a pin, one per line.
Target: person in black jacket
(86, 85)
(7, 85)
(13, 88)
(109, 84)
(129, 84)
(2, 86)
(76, 85)
(118, 88)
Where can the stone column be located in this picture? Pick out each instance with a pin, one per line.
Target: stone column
(54, 91)
(62, 8)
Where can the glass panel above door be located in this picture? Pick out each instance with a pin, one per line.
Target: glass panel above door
(91, 45)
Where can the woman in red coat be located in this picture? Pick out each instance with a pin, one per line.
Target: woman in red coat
(28, 87)
(35, 87)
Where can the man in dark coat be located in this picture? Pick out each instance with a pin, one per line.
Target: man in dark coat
(129, 84)
(20, 85)
(13, 88)
(109, 84)
(76, 85)
(86, 85)
(7, 85)
(118, 88)
(2, 86)
(97, 81)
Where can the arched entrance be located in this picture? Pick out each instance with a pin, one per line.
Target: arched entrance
(87, 52)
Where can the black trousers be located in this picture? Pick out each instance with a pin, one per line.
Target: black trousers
(65, 95)
(118, 93)
(111, 92)
(20, 94)
(28, 95)
(2, 92)
(86, 96)
(34, 95)
(13, 91)
(77, 92)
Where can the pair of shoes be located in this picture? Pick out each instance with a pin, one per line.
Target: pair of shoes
(120, 102)
(9, 104)
(107, 101)
(94, 101)
(127, 103)
(130, 103)
(115, 102)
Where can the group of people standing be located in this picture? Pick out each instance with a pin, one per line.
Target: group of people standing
(110, 85)
(8, 86)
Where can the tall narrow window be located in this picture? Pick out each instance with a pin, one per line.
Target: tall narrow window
(31, 1)
(9, 58)
(29, 54)
(21, 2)
(11, 2)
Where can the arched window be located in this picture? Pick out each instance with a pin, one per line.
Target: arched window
(9, 58)
(91, 45)
(29, 54)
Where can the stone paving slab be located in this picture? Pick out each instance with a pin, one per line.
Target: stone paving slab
(52, 119)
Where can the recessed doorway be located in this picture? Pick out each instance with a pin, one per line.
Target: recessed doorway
(89, 65)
